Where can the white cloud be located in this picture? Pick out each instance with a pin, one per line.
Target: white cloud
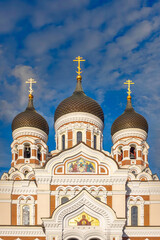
(7, 111)
(23, 73)
(119, 40)
(135, 35)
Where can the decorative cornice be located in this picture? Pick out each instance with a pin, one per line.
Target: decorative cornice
(21, 231)
(24, 191)
(79, 117)
(143, 188)
(130, 132)
(30, 131)
(6, 186)
(85, 180)
(142, 232)
(43, 180)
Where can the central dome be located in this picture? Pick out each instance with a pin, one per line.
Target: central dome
(79, 102)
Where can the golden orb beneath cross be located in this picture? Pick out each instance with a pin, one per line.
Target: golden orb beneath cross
(79, 77)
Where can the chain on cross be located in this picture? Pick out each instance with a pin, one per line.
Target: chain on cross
(79, 60)
(30, 81)
(129, 82)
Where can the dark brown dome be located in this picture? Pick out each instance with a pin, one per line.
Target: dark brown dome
(79, 102)
(30, 118)
(129, 119)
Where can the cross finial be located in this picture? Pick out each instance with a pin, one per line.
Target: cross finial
(129, 82)
(30, 81)
(79, 60)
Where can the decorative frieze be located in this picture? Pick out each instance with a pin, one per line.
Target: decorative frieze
(88, 181)
(130, 132)
(142, 232)
(78, 117)
(21, 231)
(30, 131)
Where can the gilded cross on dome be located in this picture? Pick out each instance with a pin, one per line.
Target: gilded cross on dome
(129, 82)
(79, 60)
(30, 81)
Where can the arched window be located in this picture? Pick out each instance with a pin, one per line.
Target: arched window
(132, 153)
(26, 172)
(64, 200)
(79, 136)
(95, 141)
(63, 142)
(16, 151)
(25, 215)
(39, 153)
(121, 155)
(27, 150)
(134, 216)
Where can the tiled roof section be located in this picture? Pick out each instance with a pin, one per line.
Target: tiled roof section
(129, 119)
(30, 118)
(79, 102)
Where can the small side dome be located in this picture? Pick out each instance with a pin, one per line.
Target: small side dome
(30, 118)
(79, 102)
(129, 119)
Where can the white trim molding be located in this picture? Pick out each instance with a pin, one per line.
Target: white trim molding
(78, 117)
(135, 201)
(129, 132)
(30, 131)
(21, 231)
(142, 232)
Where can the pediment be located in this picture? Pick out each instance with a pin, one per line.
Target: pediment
(81, 159)
(83, 204)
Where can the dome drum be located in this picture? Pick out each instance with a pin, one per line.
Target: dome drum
(30, 131)
(79, 117)
(67, 135)
(131, 133)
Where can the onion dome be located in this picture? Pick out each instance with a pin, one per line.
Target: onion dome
(79, 102)
(129, 119)
(30, 118)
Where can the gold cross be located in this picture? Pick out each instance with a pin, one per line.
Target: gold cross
(129, 82)
(30, 81)
(79, 60)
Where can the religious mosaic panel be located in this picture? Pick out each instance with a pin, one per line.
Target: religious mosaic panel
(81, 166)
(83, 219)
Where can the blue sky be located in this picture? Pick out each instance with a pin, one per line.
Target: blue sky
(119, 39)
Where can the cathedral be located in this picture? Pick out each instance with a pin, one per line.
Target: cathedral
(79, 191)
